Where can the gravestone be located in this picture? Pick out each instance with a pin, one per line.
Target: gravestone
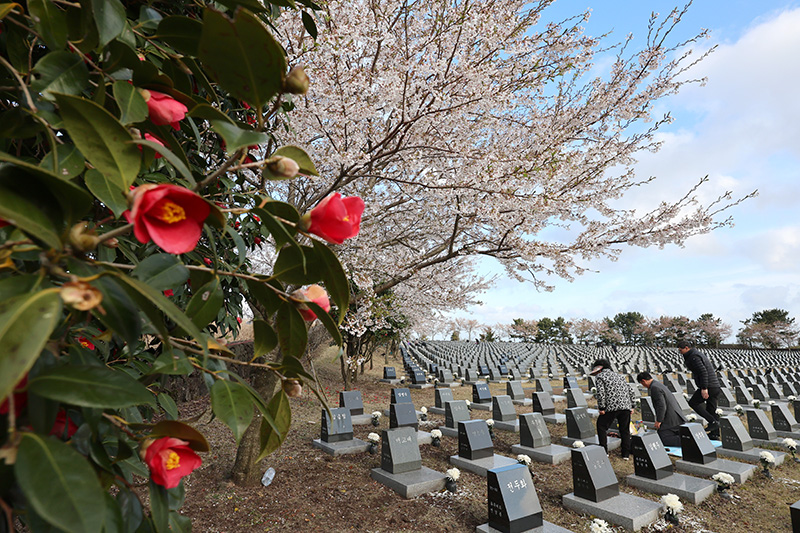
(773, 389)
(533, 432)
(445, 376)
(699, 456)
(503, 410)
(760, 393)
(352, 400)
(759, 426)
(743, 397)
(389, 372)
(682, 403)
(454, 412)
(726, 398)
(570, 382)
(474, 441)
(579, 423)
(400, 395)
(337, 426)
(542, 403)
(495, 375)
(483, 370)
(783, 420)
(403, 415)
(650, 459)
(648, 412)
(503, 369)
(401, 465)
(514, 389)
(440, 397)
(513, 504)
(575, 398)
(593, 478)
(733, 434)
(471, 376)
(695, 445)
(543, 385)
(481, 397)
(419, 378)
(794, 512)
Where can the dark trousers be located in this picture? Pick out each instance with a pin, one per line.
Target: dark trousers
(706, 408)
(623, 419)
(670, 437)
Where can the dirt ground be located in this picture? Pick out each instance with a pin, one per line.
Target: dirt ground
(316, 492)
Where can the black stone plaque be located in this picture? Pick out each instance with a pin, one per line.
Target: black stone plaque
(743, 396)
(543, 385)
(592, 476)
(579, 423)
(570, 382)
(760, 393)
(695, 444)
(455, 412)
(481, 394)
(494, 374)
(690, 387)
(514, 374)
(433, 368)
(503, 369)
(401, 395)
(442, 396)
(672, 384)
(483, 370)
(418, 378)
(759, 425)
(774, 391)
(503, 409)
(514, 389)
(682, 403)
(474, 441)
(403, 415)
(400, 451)
(336, 427)
(783, 419)
(650, 459)
(533, 431)
(353, 401)
(794, 512)
(513, 504)
(445, 375)
(543, 403)
(734, 435)
(789, 390)
(575, 398)
(471, 374)
(389, 372)
(726, 398)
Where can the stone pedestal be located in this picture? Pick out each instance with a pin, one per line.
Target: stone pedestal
(507, 426)
(342, 447)
(613, 442)
(481, 466)
(410, 484)
(741, 472)
(525, 402)
(481, 406)
(551, 454)
(547, 527)
(436, 410)
(421, 386)
(423, 437)
(691, 489)
(626, 510)
(557, 418)
(751, 455)
(361, 420)
(390, 381)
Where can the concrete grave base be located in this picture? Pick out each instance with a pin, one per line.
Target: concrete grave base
(495, 381)
(481, 406)
(788, 435)
(341, 448)
(613, 442)
(417, 411)
(423, 437)
(436, 411)
(626, 510)
(448, 432)
(558, 398)
(507, 426)
(551, 454)
(481, 466)
(649, 425)
(741, 472)
(471, 383)
(751, 456)
(389, 381)
(421, 386)
(410, 484)
(761, 443)
(452, 384)
(361, 420)
(557, 418)
(691, 489)
(594, 413)
(526, 401)
(547, 527)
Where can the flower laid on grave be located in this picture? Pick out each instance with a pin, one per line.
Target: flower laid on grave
(468, 403)
(524, 460)
(578, 444)
(452, 478)
(719, 412)
(599, 525)
(791, 445)
(376, 418)
(673, 507)
(436, 437)
(756, 403)
(373, 439)
(685, 395)
(772, 402)
(750, 389)
(424, 415)
(691, 417)
(739, 410)
(767, 460)
(791, 398)
(490, 423)
(549, 375)
(724, 482)
(593, 390)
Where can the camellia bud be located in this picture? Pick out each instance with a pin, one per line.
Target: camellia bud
(80, 295)
(143, 447)
(283, 167)
(296, 81)
(82, 238)
(293, 388)
(111, 243)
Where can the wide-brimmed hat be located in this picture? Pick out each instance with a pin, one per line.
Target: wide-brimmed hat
(599, 365)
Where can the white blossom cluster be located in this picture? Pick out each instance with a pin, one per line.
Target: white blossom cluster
(524, 459)
(790, 444)
(672, 503)
(374, 438)
(766, 458)
(723, 478)
(599, 525)
(453, 474)
(436, 434)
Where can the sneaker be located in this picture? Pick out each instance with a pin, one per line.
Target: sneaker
(713, 428)
(626, 458)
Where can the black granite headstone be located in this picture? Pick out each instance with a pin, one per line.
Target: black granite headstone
(419, 378)
(760, 392)
(783, 419)
(533, 431)
(494, 374)
(474, 441)
(593, 477)
(403, 415)
(455, 412)
(353, 401)
(389, 372)
(543, 385)
(695, 444)
(726, 398)
(650, 459)
(543, 403)
(648, 412)
(483, 370)
(514, 389)
(575, 398)
(513, 504)
(794, 512)
(503, 409)
(570, 382)
(481, 394)
(743, 396)
(733, 434)
(579, 423)
(442, 396)
(759, 425)
(400, 451)
(471, 375)
(401, 395)
(445, 375)
(503, 369)
(336, 427)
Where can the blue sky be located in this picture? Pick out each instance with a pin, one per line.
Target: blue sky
(743, 130)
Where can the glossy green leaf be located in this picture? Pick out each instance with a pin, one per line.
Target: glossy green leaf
(242, 56)
(159, 507)
(281, 233)
(232, 404)
(283, 210)
(90, 386)
(149, 18)
(182, 169)
(101, 138)
(49, 22)
(252, 5)
(131, 508)
(161, 271)
(121, 313)
(327, 321)
(172, 362)
(265, 339)
(334, 277)
(264, 295)
(112, 522)
(272, 436)
(300, 157)
(299, 265)
(70, 162)
(17, 285)
(21, 211)
(107, 191)
(208, 112)
(60, 72)
(205, 303)
(130, 101)
(59, 484)
(26, 322)
(241, 247)
(292, 334)
(236, 137)
(168, 405)
(309, 25)
(10, 7)
(181, 33)
(179, 523)
(109, 16)
(179, 430)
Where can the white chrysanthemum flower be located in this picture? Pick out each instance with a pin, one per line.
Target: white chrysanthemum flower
(766, 457)
(750, 389)
(374, 438)
(468, 403)
(789, 443)
(423, 410)
(436, 434)
(490, 422)
(719, 412)
(791, 398)
(524, 459)
(723, 478)
(453, 474)
(685, 395)
(578, 444)
(594, 390)
(691, 417)
(672, 503)
(772, 402)
(756, 403)
(738, 408)
(599, 526)
(376, 414)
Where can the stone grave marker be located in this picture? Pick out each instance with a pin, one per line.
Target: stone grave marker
(445, 376)
(474, 441)
(403, 415)
(682, 403)
(503, 410)
(695, 444)
(579, 423)
(483, 370)
(481, 397)
(418, 377)
(389, 372)
(401, 395)
(337, 426)
(726, 398)
(733, 434)
(759, 426)
(440, 397)
(743, 397)
(401, 465)
(513, 503)
(542, 403)
(774, 391)
(783, 420)
(454, 412)
(471, 375)
(351, 399)
(575, 398)
(514, 389)
(543, 385)
(648, 412)
(650, 459)
(699, 456)
(495, 375)
(533, 432)
(570, 382)
(593, 477)
(503, 369)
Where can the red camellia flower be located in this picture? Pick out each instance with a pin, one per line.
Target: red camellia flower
(314, 293)
(169, 460)
(3, 222)
(168, 293)
(20, 398)
(335, 218)
(169, 215)
(86, 343)
(164, 109)
(148, 137)
(63, 423)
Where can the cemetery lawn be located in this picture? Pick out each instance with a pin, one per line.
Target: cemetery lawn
(313, 491)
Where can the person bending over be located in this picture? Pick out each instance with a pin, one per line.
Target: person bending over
(668, 413)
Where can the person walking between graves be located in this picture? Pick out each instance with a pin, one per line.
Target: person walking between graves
(615, 402)
(669, 415)
(704, 399)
